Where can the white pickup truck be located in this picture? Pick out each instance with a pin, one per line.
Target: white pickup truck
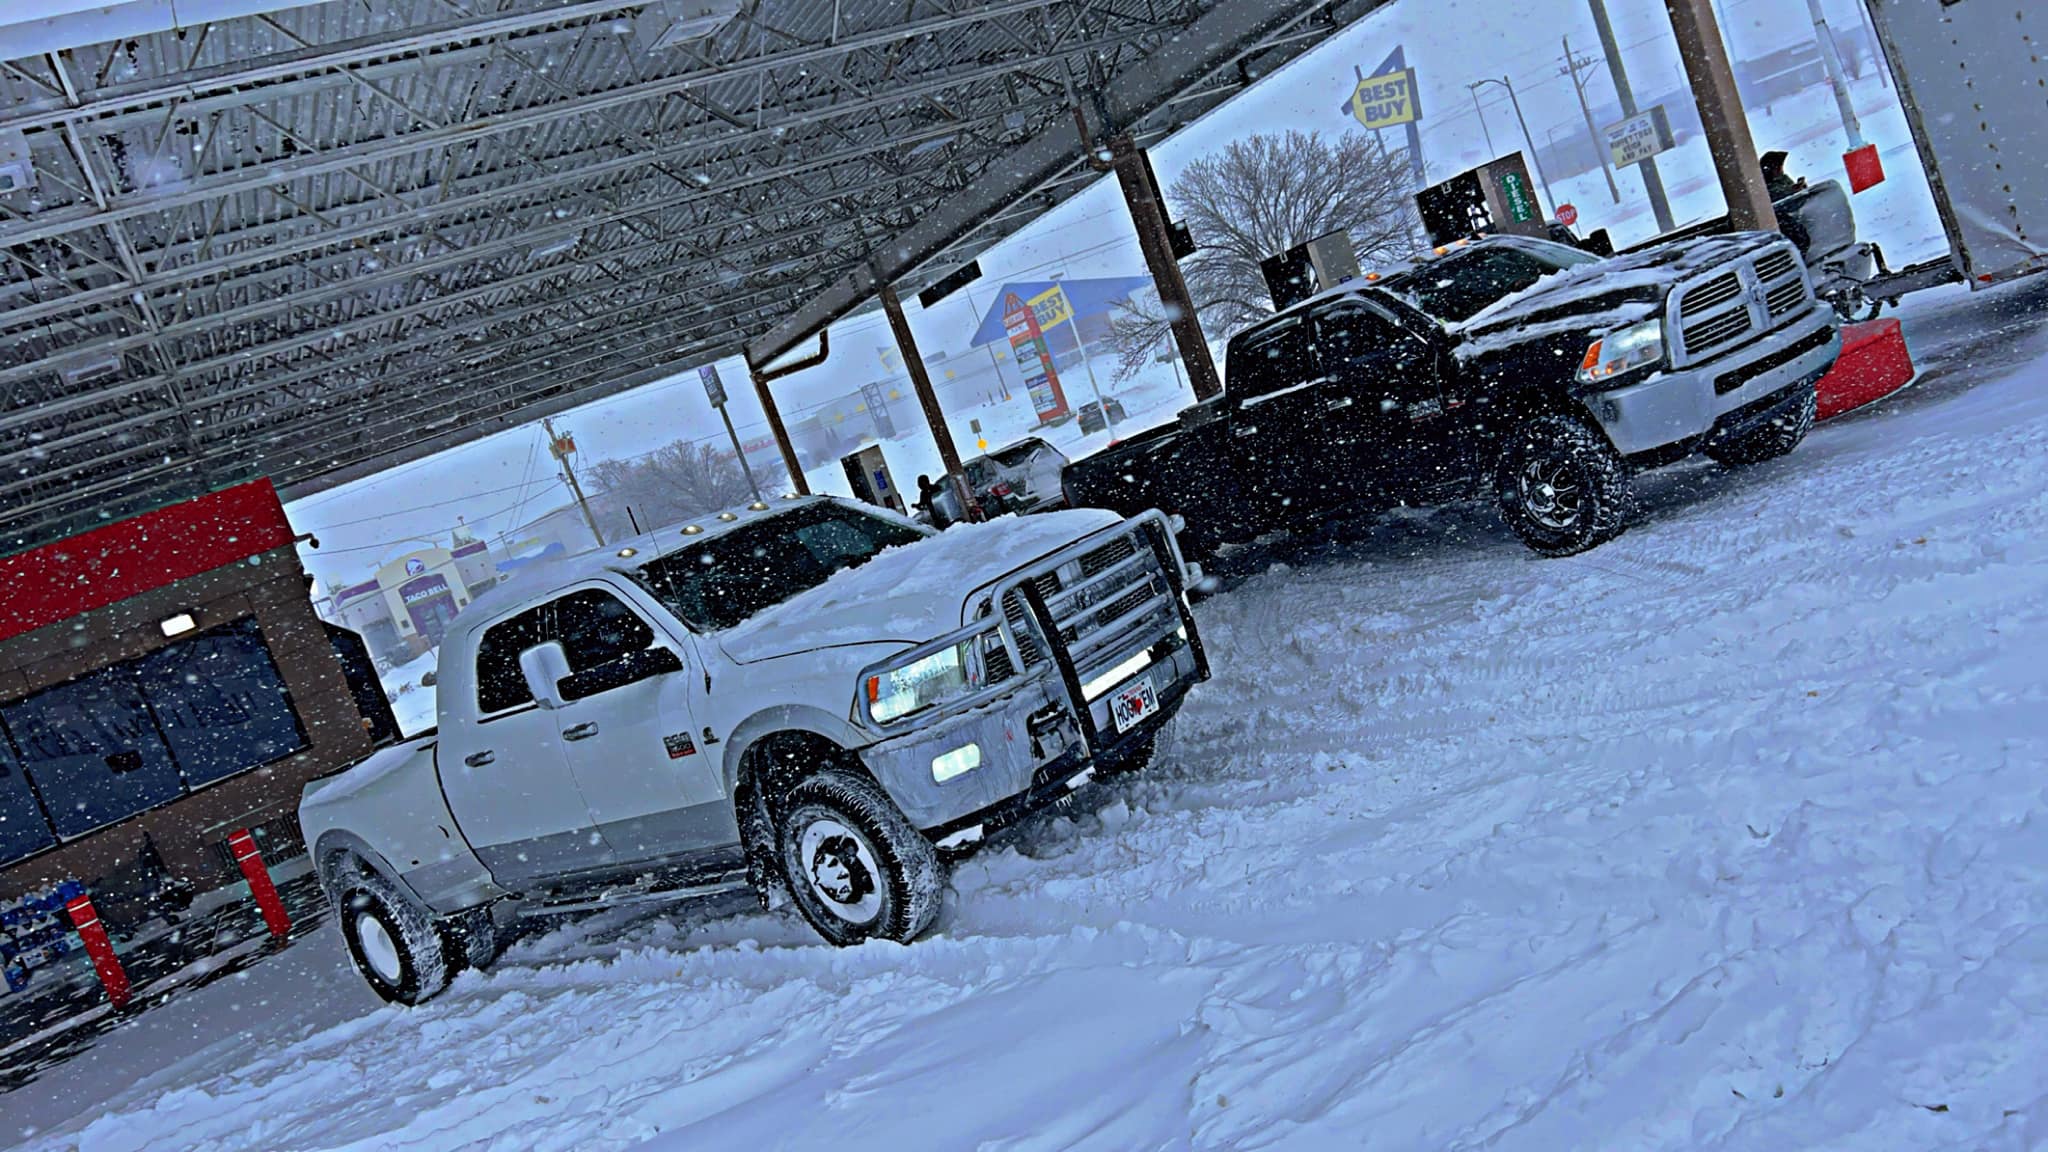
(815, 698)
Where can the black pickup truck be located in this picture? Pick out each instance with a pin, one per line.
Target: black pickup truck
(1532, 369)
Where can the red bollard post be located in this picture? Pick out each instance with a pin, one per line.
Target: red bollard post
(94, 934)
(243, 846)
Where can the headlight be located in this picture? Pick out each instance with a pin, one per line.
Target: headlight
(894, 693)
(1633, 347)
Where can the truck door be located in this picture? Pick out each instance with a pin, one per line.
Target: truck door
(1276, 384)
(1380, 412)
(504, 773)
(655, 790)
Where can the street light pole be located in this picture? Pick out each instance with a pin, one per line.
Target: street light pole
(1492, 153)
(1074, 323)
(1535, 161)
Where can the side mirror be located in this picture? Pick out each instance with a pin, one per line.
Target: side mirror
(545, 666)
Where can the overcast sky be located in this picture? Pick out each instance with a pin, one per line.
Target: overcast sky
(1448, 42)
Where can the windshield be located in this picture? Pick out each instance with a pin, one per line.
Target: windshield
(1457, 287)
(715, 585)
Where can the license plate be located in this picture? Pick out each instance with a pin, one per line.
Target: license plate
(1133, 702)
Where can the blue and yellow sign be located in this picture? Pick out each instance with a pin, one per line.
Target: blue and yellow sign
(1386, 101)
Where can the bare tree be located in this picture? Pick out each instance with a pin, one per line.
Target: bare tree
(670, 484)
(1258, 197)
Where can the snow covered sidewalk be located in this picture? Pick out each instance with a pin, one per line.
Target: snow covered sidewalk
(1730, 834)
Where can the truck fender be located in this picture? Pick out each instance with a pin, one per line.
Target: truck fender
(786, 718)
(336, 844)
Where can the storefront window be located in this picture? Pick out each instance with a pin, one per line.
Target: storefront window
(23, 831)
(220, 703)
(93, 750)
(133, 736)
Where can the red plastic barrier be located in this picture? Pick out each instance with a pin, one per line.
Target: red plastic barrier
(1865, 168)
(1874, 364)
(250, 861)
(112, 976)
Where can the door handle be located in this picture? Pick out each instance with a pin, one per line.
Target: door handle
(1337, 405)
(1246, 430)
(583, 731)
(479, 759)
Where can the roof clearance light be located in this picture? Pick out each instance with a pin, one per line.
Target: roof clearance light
(626, 553)
(758, 506)
(1441, 251)
(178, 625)
(691, 530)
(1372, 275)
(727, 516)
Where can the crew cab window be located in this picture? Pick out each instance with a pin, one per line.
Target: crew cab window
(1458, 287)
(499, 682)
(1351, 330)
(1267, 359)
(595, 628)
(716, 584)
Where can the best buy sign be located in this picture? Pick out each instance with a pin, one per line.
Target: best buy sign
(1386, 101)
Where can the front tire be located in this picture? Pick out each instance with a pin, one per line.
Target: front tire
(395, 943)
(857, 869)
(1773, 438)
(1562, 487)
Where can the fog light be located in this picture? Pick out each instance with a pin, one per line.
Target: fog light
(958, 762)
(178, 625)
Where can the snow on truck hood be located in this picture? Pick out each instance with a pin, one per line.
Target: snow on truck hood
(911, 594)
(1608, 293)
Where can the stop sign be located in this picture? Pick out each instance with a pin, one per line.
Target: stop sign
(1567, 215)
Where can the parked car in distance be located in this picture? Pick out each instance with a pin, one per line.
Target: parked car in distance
(1516, 366)
(1023, 477)
(814, 698)
(1092, 415)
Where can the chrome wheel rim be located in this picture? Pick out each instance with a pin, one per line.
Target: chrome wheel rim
(840, 868)
(380, 951)
(1551, 493)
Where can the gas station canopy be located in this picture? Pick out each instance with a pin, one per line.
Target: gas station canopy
(315, 241)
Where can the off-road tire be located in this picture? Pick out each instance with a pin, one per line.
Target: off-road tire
(839, 828)
(1773, 438)
(408, 962)
(1539, 462)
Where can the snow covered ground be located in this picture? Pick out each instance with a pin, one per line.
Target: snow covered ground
(412, 703)
(1730, 834)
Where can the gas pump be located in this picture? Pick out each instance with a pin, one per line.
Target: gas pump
(868, 474)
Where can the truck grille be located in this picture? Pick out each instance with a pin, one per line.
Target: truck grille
(1787, 298)
(1103, 605)
(1709, 295)
(1726, 308)
(1774, 265)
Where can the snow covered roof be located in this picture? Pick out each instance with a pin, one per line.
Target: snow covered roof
(314, 241)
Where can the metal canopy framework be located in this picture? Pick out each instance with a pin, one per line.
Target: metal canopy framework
(319, 241)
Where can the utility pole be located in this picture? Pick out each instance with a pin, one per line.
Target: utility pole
(1653, 180)
(556, 449)
(1572, 64)
(1825, 41)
